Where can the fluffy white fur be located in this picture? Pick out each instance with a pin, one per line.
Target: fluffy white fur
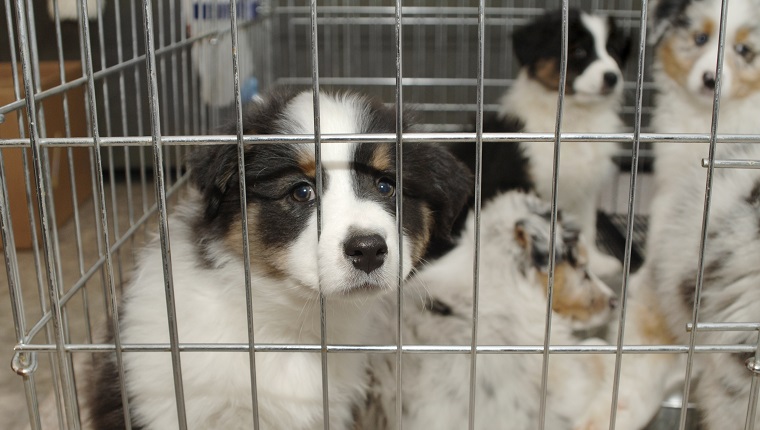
(585, 167)
(512, 310)
(662, 293)
(210, 304)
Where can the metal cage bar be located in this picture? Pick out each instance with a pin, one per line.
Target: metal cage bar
(440, 95)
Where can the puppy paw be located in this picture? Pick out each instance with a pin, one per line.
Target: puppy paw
(626, 418)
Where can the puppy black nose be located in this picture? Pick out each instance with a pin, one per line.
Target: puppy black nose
(610, 79)
(709, 80)
(366, 252)
(613, 302)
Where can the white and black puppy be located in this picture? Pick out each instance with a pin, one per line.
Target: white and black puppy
(685, 38)
(514, 263)
(355, 259)
(597, 49)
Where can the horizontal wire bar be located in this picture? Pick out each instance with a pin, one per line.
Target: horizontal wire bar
(103, 73)
(414, 82)
(381, 138)
(411, 11)
(99, 263)
(390, 349)
(730, 326)
(732, 164)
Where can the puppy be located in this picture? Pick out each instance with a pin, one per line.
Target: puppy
(685, 38)
(353, 261)
(597, 49)
(513, 286)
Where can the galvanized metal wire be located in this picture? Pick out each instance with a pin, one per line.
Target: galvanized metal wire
(320, 45)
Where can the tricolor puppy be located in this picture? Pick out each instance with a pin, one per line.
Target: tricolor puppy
(685, 38)
(354, 261)
(514, 263)
(597, 49)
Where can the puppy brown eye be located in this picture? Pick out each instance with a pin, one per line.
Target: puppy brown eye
(303, 193)
(744, 50)
(385, 187)
(701, 38)
(579, 53)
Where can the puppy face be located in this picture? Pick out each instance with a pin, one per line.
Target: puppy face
(357, 249)
(597, 50)
(579, 295)
(686, 36)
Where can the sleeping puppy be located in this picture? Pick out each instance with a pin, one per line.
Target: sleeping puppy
(685, 38)
(513, 299)
(353, 262)
(597, 49)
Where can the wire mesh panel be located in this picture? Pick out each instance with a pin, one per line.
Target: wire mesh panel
(102, 101)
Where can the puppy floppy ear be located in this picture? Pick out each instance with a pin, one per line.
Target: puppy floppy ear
(534, 41)
(439, 179)
(214, 172)
(534, 243)
(665, 14)
(618, 42)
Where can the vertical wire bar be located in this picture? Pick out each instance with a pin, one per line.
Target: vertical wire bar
(244, 211)
(163, 224)
(9, 245)
(49, 248)
(553, 229)
(399, 213)
(205, 115)
(754, 388)
(164, 101)
(109, 132)
(72, 176)
(44, 154)
(268, 30)
(14, 291)
(631, 212)
(100, 204)
(705, 212)
(318, 160)
(123, 105)
(30, 212)
(81, 15)
(478, 202)
(175, 84)
(187, 99)
(138, 106)
(195, 97)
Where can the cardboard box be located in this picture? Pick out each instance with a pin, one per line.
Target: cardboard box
(58, 157)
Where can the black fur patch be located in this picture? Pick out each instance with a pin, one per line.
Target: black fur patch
(438, 307)
(504, 165)
(104, 393)
(433, 176)
(214, 169)
(754, 196)
(686, 288)
(618, 43)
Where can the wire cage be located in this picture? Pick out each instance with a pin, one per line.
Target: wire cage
(92, 163)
